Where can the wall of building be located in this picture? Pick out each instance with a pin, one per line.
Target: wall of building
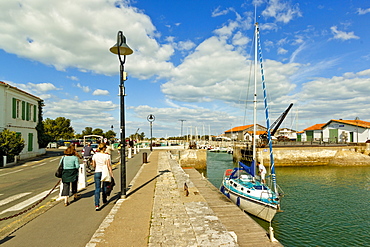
(19, 113)
(359, 134)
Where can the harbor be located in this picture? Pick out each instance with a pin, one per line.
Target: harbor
(196, 216)
(322, 206)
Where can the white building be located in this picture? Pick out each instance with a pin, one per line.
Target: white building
(346, 131)
(338, 131)
(291, 134)
(19, 113)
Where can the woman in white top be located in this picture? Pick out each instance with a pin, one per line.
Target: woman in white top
(99, 160)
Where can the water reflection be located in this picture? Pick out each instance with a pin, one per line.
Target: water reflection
(323, 206)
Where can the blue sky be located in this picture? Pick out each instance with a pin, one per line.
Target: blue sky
(191, 61)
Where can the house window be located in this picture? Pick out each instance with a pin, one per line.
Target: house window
(18, 110)
(30, 112)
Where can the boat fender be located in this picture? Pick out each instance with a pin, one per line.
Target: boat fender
(271, 233)
(228, 172)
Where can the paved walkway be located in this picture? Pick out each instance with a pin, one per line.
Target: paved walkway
(164, 208)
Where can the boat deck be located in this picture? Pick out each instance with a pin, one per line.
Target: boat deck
(248, 232)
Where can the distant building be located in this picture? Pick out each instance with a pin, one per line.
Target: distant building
(244, 133)
(312, 133)
(289, 133)
(337, 131)
(346, 131)
(19, 113)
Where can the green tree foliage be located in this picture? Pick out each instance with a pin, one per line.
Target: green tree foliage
(110, 134)
(42, 138)
(58, 129)
(87, 131)
(79, 136)
(11, 143)
(98, 132)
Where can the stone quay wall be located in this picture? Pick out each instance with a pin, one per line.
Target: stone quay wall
(311, 156)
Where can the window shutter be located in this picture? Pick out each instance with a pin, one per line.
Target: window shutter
(30, 142)
(27, 111)
(34, 113)
(23, 110)
(14, 108)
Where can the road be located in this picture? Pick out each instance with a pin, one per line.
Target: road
(50, 223)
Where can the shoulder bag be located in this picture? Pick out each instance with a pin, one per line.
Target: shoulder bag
(59, 171)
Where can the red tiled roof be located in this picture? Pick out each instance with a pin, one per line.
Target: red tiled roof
(6, 84)
(359, 123)
(315, 127)
(239, 128)
(259, 132)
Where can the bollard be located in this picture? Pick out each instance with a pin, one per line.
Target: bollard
(82, 179)
(4, 161)
(135, 150)
(145, 157)
(129, 153)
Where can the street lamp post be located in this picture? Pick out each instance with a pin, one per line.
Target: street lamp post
(151, 119)
(122, 49)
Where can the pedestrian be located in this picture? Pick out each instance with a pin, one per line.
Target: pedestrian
(262, 171)
(75, 151)
(108, 150)
(70, 173)
(99, 160)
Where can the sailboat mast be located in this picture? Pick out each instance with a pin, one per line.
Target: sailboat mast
(255, 96)
(272, 162)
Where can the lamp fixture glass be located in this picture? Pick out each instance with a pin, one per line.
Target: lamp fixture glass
(121, 48)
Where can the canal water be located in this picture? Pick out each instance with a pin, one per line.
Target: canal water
(323, 206)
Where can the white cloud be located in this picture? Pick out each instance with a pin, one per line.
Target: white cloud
(281, 11)
(197, 119)
(82, 113)
(282, 50)
(101, 92)
(185, 45)
(361, 11)
(73, 78)
(46, 29)
(228, 29)
(36, 89)
(218, 12)
(86, 89)
(342, 35)
(239, 39)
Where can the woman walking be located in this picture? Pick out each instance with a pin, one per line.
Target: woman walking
(70, 173)
(101, 161)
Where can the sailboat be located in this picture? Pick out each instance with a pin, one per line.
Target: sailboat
(241, 184)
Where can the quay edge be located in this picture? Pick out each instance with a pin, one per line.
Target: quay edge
(312, 156)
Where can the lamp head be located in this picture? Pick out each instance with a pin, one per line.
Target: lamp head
(121, 48)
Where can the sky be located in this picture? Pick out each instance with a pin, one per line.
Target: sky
(192, 61)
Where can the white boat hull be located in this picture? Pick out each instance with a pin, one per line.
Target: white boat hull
(258, 209)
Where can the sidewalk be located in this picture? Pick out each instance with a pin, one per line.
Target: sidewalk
(157, 212)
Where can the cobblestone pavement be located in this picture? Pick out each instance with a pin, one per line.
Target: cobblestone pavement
(181, 216)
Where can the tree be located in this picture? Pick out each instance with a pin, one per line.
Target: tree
(98, 132)
(11, 143)
(110, 134)
(42, 138)
(87, 131)
(58, 129)
(141, 136)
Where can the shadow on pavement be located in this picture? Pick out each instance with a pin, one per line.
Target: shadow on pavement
(148, 182)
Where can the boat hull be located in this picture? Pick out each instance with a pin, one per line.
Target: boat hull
(262, 210)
